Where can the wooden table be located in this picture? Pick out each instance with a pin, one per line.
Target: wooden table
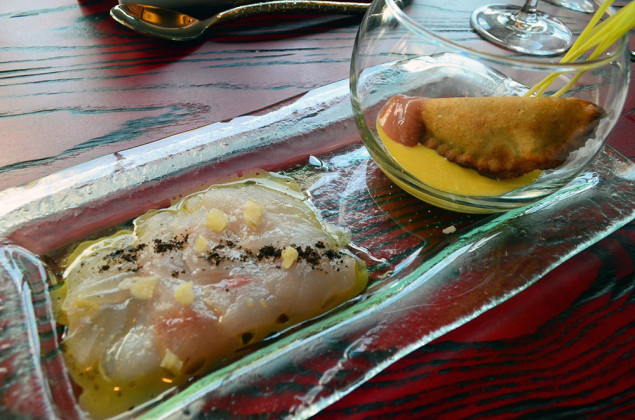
(74, 86)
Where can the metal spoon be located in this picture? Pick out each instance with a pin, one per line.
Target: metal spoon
(177, 26)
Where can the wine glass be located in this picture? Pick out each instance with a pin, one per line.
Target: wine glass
(427, 49)
(523, 29)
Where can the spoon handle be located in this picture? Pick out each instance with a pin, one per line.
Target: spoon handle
(281, 6)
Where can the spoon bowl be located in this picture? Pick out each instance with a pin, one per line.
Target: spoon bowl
(176, 26)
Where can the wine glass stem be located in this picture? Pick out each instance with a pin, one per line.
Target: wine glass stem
(527, 18)
(530, 7)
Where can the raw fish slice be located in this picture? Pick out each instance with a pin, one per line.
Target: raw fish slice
(196, 283)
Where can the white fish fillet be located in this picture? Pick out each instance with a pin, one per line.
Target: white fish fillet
(175, 296)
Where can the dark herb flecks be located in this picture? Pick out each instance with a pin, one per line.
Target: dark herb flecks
(161, 246)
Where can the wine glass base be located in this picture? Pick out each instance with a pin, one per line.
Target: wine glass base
(533, 34)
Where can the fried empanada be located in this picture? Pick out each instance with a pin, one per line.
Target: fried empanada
(500, 137)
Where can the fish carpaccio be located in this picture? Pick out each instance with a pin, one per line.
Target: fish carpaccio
(149, 308)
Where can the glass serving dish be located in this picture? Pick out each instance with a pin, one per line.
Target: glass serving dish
(431, 270)
(426, 49)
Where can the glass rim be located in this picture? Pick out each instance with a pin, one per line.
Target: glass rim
(414, 26)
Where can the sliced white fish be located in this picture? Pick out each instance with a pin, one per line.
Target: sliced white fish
(194, 283)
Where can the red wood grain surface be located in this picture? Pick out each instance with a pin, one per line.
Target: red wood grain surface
(74, 86)
(77, 85)
(563, 348)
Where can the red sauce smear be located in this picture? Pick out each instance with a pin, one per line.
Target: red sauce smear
(400, 118)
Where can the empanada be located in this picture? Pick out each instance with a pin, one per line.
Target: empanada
(500, 137)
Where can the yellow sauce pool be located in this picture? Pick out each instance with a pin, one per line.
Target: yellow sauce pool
(435, 171)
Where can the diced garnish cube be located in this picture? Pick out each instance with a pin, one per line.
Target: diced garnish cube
(289, 256)
(184, 294)
(216, 220)
(171, 363)
(143, 287)
(253, 213)
(200, 245)
(449, 229)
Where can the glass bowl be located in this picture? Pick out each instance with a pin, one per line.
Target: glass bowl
(428, 49)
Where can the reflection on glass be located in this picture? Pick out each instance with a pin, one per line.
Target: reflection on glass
(523, 29)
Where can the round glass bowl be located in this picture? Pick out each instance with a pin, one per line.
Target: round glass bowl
(427, 48)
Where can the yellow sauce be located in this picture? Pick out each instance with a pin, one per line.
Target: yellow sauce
(437, 172)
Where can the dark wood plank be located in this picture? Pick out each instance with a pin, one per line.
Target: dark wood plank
(83, 86)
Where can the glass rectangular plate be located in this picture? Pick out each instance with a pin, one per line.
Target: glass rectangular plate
(431, 270)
